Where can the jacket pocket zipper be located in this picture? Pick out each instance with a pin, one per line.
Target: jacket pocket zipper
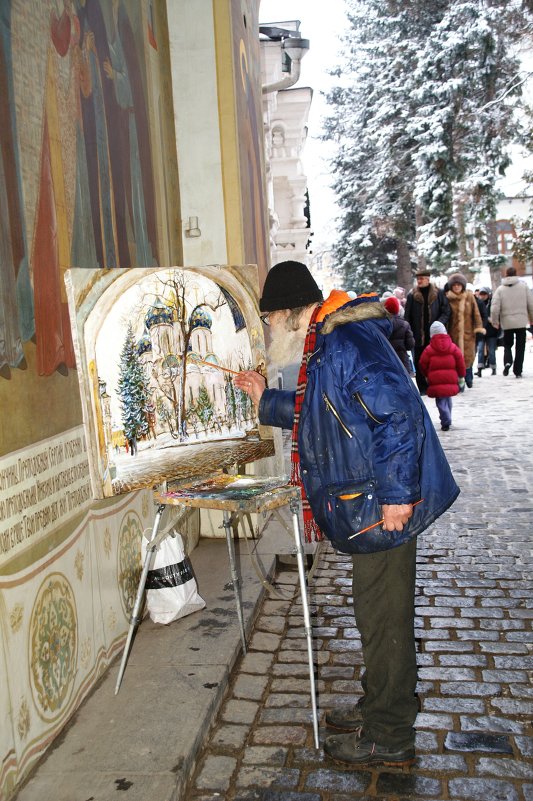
(335, 413)
(358, 397)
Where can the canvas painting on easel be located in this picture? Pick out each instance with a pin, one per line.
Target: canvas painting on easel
(157, 350)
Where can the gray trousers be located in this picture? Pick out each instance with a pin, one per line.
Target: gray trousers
(383, 597)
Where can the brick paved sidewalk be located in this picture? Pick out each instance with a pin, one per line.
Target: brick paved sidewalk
(474, 732)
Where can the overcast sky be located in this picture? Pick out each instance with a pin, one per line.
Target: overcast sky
(322, 25)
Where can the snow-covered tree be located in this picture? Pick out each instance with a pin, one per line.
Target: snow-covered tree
(133, 389)
(464, 122)
(523, 244)
(421, 117)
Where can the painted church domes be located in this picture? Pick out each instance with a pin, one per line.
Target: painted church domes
(159, 313)
(200, 318)
(144, 345)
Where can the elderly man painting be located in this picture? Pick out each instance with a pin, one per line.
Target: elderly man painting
(372, 475)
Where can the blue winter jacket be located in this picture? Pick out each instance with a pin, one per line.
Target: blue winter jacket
(365, 437)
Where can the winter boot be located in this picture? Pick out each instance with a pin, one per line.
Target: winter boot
(356, 748)
(345, 718)
(478, 372)
(493, 371)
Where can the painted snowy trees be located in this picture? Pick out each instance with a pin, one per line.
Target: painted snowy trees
(133, 392)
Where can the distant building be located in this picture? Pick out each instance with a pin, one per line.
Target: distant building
(509, 210)
(285, 116)
(322, 266)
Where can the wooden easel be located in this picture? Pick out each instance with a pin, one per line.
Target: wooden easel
(234, 496)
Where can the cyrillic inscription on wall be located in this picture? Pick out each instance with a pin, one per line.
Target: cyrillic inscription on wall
(41, 487)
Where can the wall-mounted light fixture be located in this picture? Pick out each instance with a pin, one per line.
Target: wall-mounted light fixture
(293, 49)
(191, 227)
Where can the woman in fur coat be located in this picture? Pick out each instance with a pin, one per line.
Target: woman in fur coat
(465, 321)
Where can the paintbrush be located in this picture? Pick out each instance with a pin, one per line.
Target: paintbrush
(379, 522)
(217, 366)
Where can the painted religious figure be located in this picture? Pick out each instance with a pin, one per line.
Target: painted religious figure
(16, 299)
(249, 121)
(117, 140)
(96, 202)
(51, 250)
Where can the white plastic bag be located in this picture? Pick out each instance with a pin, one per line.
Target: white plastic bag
(171, 587)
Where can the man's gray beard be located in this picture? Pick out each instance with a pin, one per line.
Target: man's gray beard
(286, 347)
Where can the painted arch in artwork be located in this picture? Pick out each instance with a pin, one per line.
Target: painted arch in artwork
(186, 330)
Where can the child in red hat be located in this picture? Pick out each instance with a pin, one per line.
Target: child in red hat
(401, 339)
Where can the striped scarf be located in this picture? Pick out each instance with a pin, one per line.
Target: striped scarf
(311, 528)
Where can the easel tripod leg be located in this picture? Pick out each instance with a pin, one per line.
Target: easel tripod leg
(234, 577)
(134, 619)
(307, 619)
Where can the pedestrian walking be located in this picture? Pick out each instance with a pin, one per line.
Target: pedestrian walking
(399, 293)
(401, 339)
(488, 343)
(372, 474)
(443, 365)
(465, 321)
(512, 310)
(425, 304)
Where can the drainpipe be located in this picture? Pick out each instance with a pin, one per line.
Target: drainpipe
(293, 49)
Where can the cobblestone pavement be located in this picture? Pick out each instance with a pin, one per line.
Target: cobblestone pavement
(473, 628)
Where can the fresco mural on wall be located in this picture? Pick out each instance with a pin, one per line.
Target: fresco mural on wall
(16, 299)
(90, 199)
(245, 24)
(157, 352)
(117, 140)
(88, 177)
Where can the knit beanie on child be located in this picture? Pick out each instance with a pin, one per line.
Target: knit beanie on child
(437, 328)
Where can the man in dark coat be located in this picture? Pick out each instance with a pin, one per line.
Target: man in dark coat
(425, 304)
(486, 344)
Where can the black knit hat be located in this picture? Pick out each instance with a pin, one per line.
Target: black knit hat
(288, 285)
